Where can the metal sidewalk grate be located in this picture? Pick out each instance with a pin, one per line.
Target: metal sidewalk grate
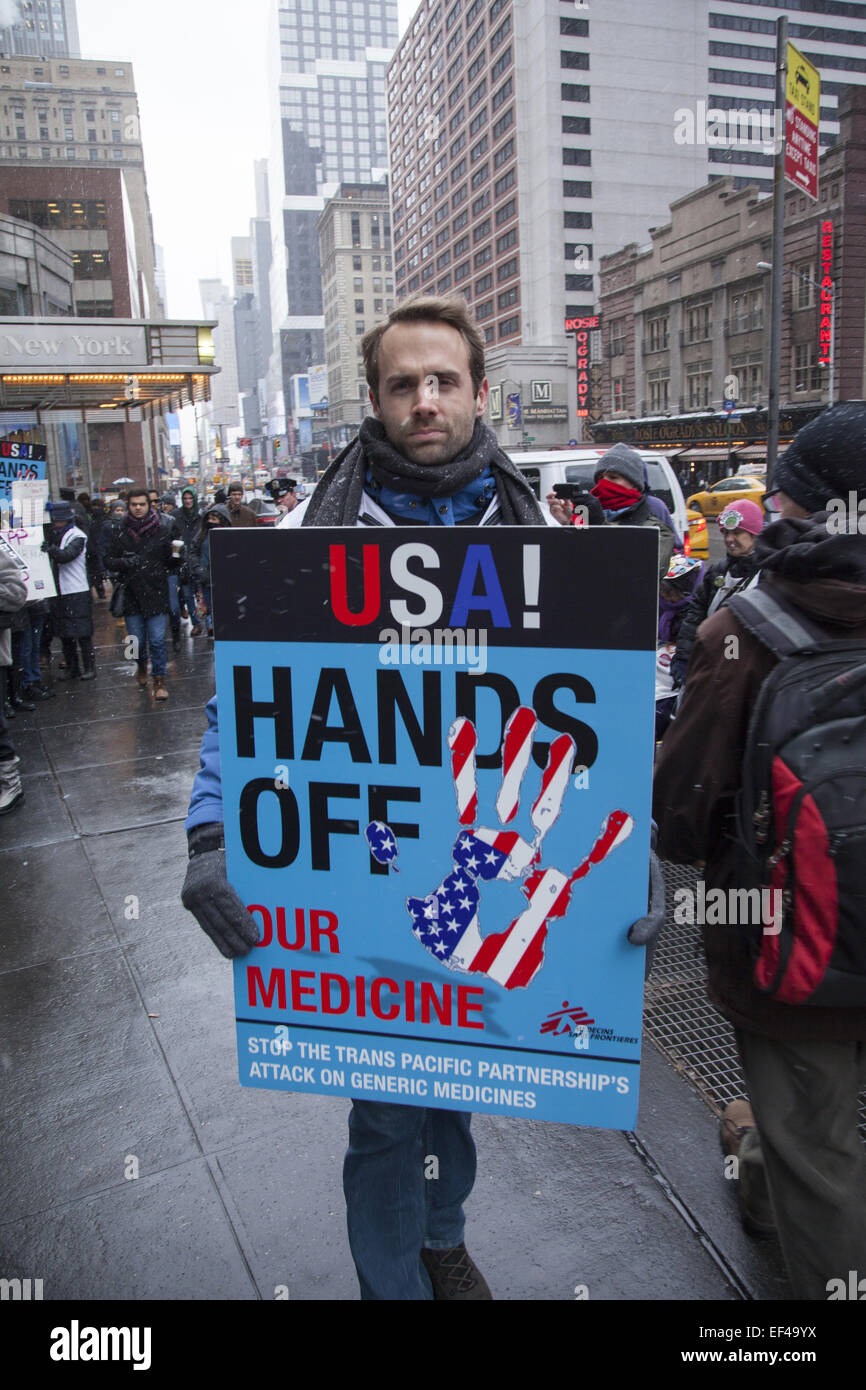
(679, 1018)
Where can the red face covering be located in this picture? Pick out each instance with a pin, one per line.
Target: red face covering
(613, 497)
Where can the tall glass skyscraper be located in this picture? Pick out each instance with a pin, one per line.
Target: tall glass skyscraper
(329, 127)
(42, 29)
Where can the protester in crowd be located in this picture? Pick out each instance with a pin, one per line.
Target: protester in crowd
(424, 458)
(239, 515)
(73, 605)
(25, 655)
(622, 489)
(675, 594)
(96, 547)
(153, 498)
(16, 697)
(80, 513)
(13, 595)
(213, 518)
(740, 524)
(802, 1165)
(144, 551)
(188, 522)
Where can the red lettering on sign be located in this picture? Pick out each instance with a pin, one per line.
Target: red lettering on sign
(339, 586)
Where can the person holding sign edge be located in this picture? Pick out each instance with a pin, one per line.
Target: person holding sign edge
(425, 458)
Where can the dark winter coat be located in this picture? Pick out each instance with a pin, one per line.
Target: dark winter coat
(199, 565)
(723, 574)
(641, 515)
(700, 765)
(143, 567)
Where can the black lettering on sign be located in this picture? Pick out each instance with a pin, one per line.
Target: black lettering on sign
(278, 708)
(290, 840)
(334, 681)
(391, 696)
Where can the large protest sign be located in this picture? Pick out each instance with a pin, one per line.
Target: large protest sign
(20, 462)
(26, 547)
(436, 752)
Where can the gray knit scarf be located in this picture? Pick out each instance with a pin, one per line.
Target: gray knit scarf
(337, 498)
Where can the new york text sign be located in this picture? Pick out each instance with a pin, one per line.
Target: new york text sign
(436, 755)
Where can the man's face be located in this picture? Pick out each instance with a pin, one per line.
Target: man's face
(153, 498)
(139, 506)
(188, 501)
(168, 506)
(288, 501)
(426, 401)
(236, 497)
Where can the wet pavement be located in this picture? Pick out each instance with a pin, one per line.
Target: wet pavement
(117, 1058)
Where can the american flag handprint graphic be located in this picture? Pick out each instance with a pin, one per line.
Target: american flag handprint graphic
(447, 921)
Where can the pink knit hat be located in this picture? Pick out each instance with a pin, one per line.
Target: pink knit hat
(749, 514)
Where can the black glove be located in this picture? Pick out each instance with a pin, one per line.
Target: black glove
(646, 929)
(209, 896)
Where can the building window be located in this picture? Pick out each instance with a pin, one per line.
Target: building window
(443, 285)
(617, 393)
(745, 311)
(481, 202)
(807, 374)
(481, 231)
(483, 256)
(576, 157)
(461, 272)
(509, 326)
(699, 322)
(507, 210)
(507, 298)
(502, 95)
(483, 311)
(480, 176)
(461, 246)
(574, 60)
(617, 334)
(356, 263)
(503, 154)
(568, 91)
(500, 126)
(657, 333)
(578, 220)
(699, 384)
(502, 185)
(506, 270)
(659, 391)
(483, 284)
(803, 285)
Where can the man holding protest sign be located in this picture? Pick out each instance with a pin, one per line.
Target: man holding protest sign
(425, 459)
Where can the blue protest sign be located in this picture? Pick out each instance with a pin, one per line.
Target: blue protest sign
(20, 463)
(436, 755)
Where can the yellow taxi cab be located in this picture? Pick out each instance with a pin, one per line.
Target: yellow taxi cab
(699, 538)
(740, 489)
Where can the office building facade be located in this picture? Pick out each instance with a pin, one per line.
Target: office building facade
(41, 29)
(526, 141)
(358, 291)
(328, 126)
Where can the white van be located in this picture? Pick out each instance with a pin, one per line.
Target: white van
(543, 468)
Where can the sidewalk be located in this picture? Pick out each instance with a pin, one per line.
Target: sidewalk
(117, 1057)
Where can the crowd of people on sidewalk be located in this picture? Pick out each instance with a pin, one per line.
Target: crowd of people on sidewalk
(154, 556)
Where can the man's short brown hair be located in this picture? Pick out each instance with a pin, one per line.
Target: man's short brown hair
(427, 308)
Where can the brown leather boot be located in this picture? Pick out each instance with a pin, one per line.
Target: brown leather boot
(159, 690)
(141, 674)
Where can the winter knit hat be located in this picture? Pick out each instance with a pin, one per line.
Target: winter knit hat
(626, 461)
(827, 458)
(751, 518)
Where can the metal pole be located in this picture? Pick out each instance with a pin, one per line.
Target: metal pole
(778, 250)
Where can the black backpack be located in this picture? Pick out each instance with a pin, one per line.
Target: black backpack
(801, 814)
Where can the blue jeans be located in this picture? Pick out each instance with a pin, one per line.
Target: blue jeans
(392, 1207)
(25, 651)
(150, 633)
(208, 604)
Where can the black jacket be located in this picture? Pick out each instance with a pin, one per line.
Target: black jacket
(143, 566)
(721, 575)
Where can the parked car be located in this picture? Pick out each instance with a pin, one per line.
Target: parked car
(699, 536)
(265, 512)
(743, 488)
(543, 468)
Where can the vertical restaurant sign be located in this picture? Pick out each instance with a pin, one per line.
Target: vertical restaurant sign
(825, 302)
(436, 780)
(581, 328)
(802, 115)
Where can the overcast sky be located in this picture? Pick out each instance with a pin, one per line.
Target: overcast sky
(201, 71)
